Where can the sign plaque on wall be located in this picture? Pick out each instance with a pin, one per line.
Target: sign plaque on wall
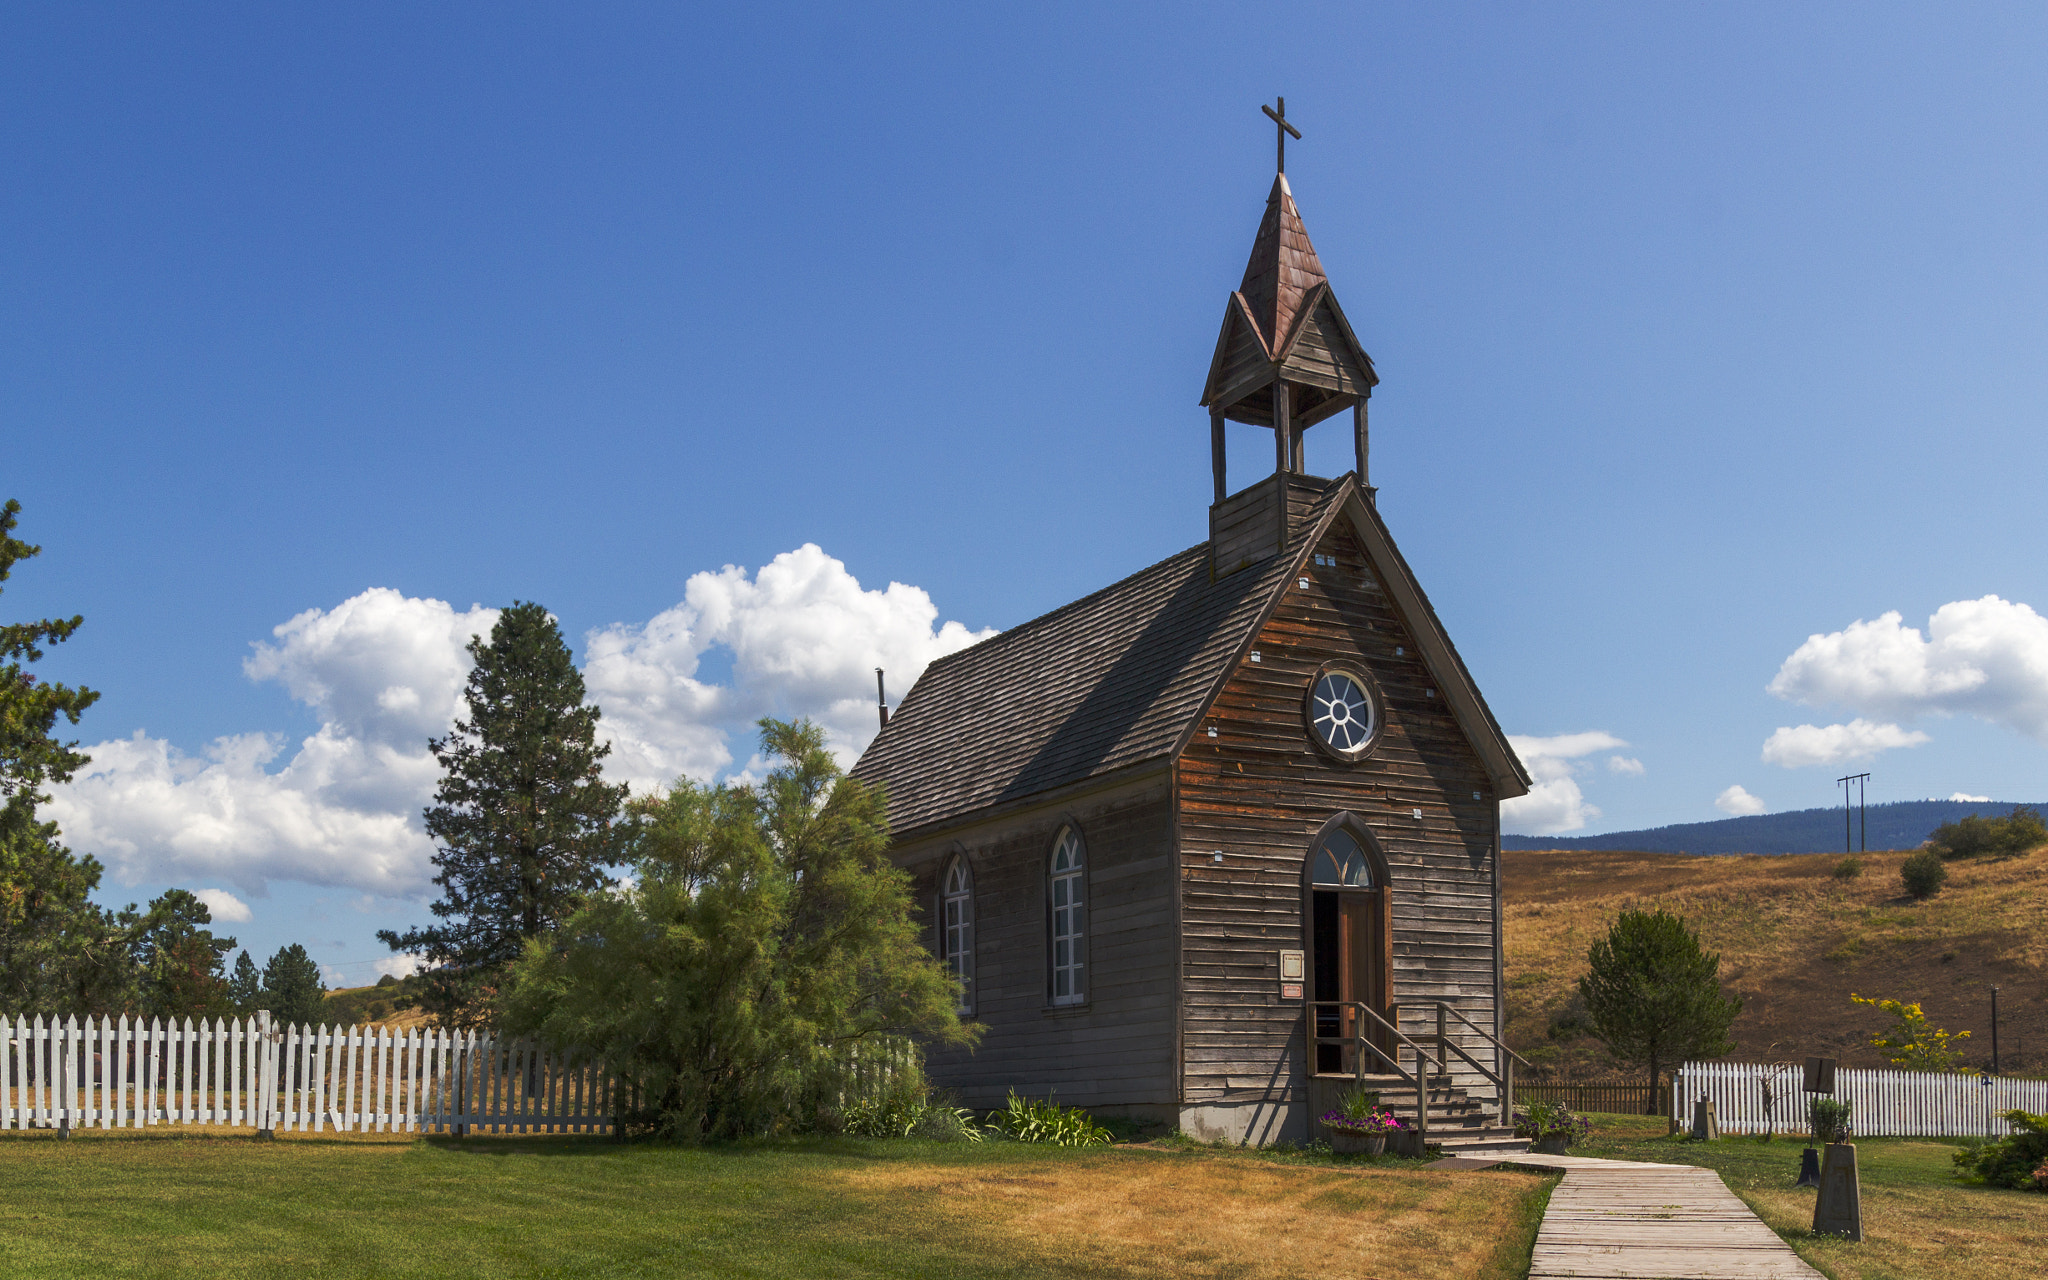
(1290, 975)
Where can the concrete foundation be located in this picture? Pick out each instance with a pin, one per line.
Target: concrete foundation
(1258, 1123)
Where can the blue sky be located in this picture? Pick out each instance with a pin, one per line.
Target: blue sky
(1702, 330)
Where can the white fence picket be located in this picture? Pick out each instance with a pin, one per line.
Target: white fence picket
(1883, 1103)
(233, 1072)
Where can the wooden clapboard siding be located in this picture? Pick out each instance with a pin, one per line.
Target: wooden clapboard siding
(1246, 527)
(1116, 1050)
(1322, 356)
(1259, 791)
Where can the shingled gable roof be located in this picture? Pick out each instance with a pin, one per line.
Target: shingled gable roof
(1120, 678)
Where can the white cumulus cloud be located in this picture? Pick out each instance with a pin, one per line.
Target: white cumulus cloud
(224, 907)
(1809, 744)
(1554, 804)
(1986, 658)
(384, 672)
(804, 638)
(1739, 802)
(1970, 799)
(1625, 765)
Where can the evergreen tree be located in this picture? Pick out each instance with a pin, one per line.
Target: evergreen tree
(245, 988)
(524, 824)
(292, 988)
(182, 961)
(1653, 996)
(766, 931)
(59, 953)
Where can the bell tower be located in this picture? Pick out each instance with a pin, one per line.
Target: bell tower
(1286, 358)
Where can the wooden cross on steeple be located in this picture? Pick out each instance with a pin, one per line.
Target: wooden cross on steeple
(1279, 118)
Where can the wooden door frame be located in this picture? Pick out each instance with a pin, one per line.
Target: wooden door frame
(1382, 887)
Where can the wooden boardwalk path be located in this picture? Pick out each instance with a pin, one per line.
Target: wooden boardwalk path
(1628, 1220)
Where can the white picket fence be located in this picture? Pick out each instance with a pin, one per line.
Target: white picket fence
(120, 1073)
(1883, 1104)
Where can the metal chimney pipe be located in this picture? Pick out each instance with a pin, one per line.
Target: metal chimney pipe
(881, 698)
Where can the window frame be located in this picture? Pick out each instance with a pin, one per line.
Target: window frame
(1374, 696)
(960, 962)
(1071, 884)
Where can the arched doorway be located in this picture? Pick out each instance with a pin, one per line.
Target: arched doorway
(1350, 944)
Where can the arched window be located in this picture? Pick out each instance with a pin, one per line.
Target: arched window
(1069, 878)
(957, 914)
(1340, 862)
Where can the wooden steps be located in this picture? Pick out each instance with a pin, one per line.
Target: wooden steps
(1459, 1123)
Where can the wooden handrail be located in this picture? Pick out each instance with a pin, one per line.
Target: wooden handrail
(1417, 1079)
(1505, 1081)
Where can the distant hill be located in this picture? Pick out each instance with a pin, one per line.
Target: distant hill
(1904, 825)
(1795, 937)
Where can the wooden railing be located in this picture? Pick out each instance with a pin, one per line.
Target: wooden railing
(1620, 1097)
(1361, 1043)
(1503, 1080)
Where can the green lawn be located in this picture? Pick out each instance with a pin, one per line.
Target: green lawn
(1920, 1222)
(161, 1203)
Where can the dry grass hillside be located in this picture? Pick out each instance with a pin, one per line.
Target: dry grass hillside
(1794, 940)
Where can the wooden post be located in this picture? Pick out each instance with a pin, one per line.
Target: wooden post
(1359, 441)
(1283, 427)
(1216, 451)
(1443, 1053)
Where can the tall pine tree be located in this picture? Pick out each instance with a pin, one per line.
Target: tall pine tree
(524, 824)
(59, 952)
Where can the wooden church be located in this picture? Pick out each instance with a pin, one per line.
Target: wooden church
(1213, 843)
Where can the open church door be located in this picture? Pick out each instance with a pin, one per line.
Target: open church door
(1351, 949)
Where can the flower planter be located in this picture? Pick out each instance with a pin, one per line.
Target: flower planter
(1550, 1145)
(1352, 1142)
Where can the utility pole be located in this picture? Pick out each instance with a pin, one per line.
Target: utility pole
(1994, 1028)
(1849, 812)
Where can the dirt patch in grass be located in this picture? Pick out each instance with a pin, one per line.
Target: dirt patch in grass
(1794, 942)
(1148, 1213)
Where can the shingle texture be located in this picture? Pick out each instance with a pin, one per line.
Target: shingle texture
(1108, 681)
(1282, 269)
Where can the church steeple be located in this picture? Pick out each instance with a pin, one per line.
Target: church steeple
(1286, 357)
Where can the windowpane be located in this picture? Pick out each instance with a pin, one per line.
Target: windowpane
(1064, 905)
(958, 916)
(1326, 868)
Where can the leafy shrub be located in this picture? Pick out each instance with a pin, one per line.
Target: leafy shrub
(1923, 874)
(1912, 1042)
(1552, 1120)
(909, 1118)
(2018, 1160)
(1848, 868)
(1973, 836)
(766, 927)
(1032, 1120)
(1828, 1119)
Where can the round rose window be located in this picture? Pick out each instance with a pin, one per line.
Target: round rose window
(1343, 713)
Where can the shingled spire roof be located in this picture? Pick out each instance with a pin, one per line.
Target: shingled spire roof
(1282, 270)
(1283, 325)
